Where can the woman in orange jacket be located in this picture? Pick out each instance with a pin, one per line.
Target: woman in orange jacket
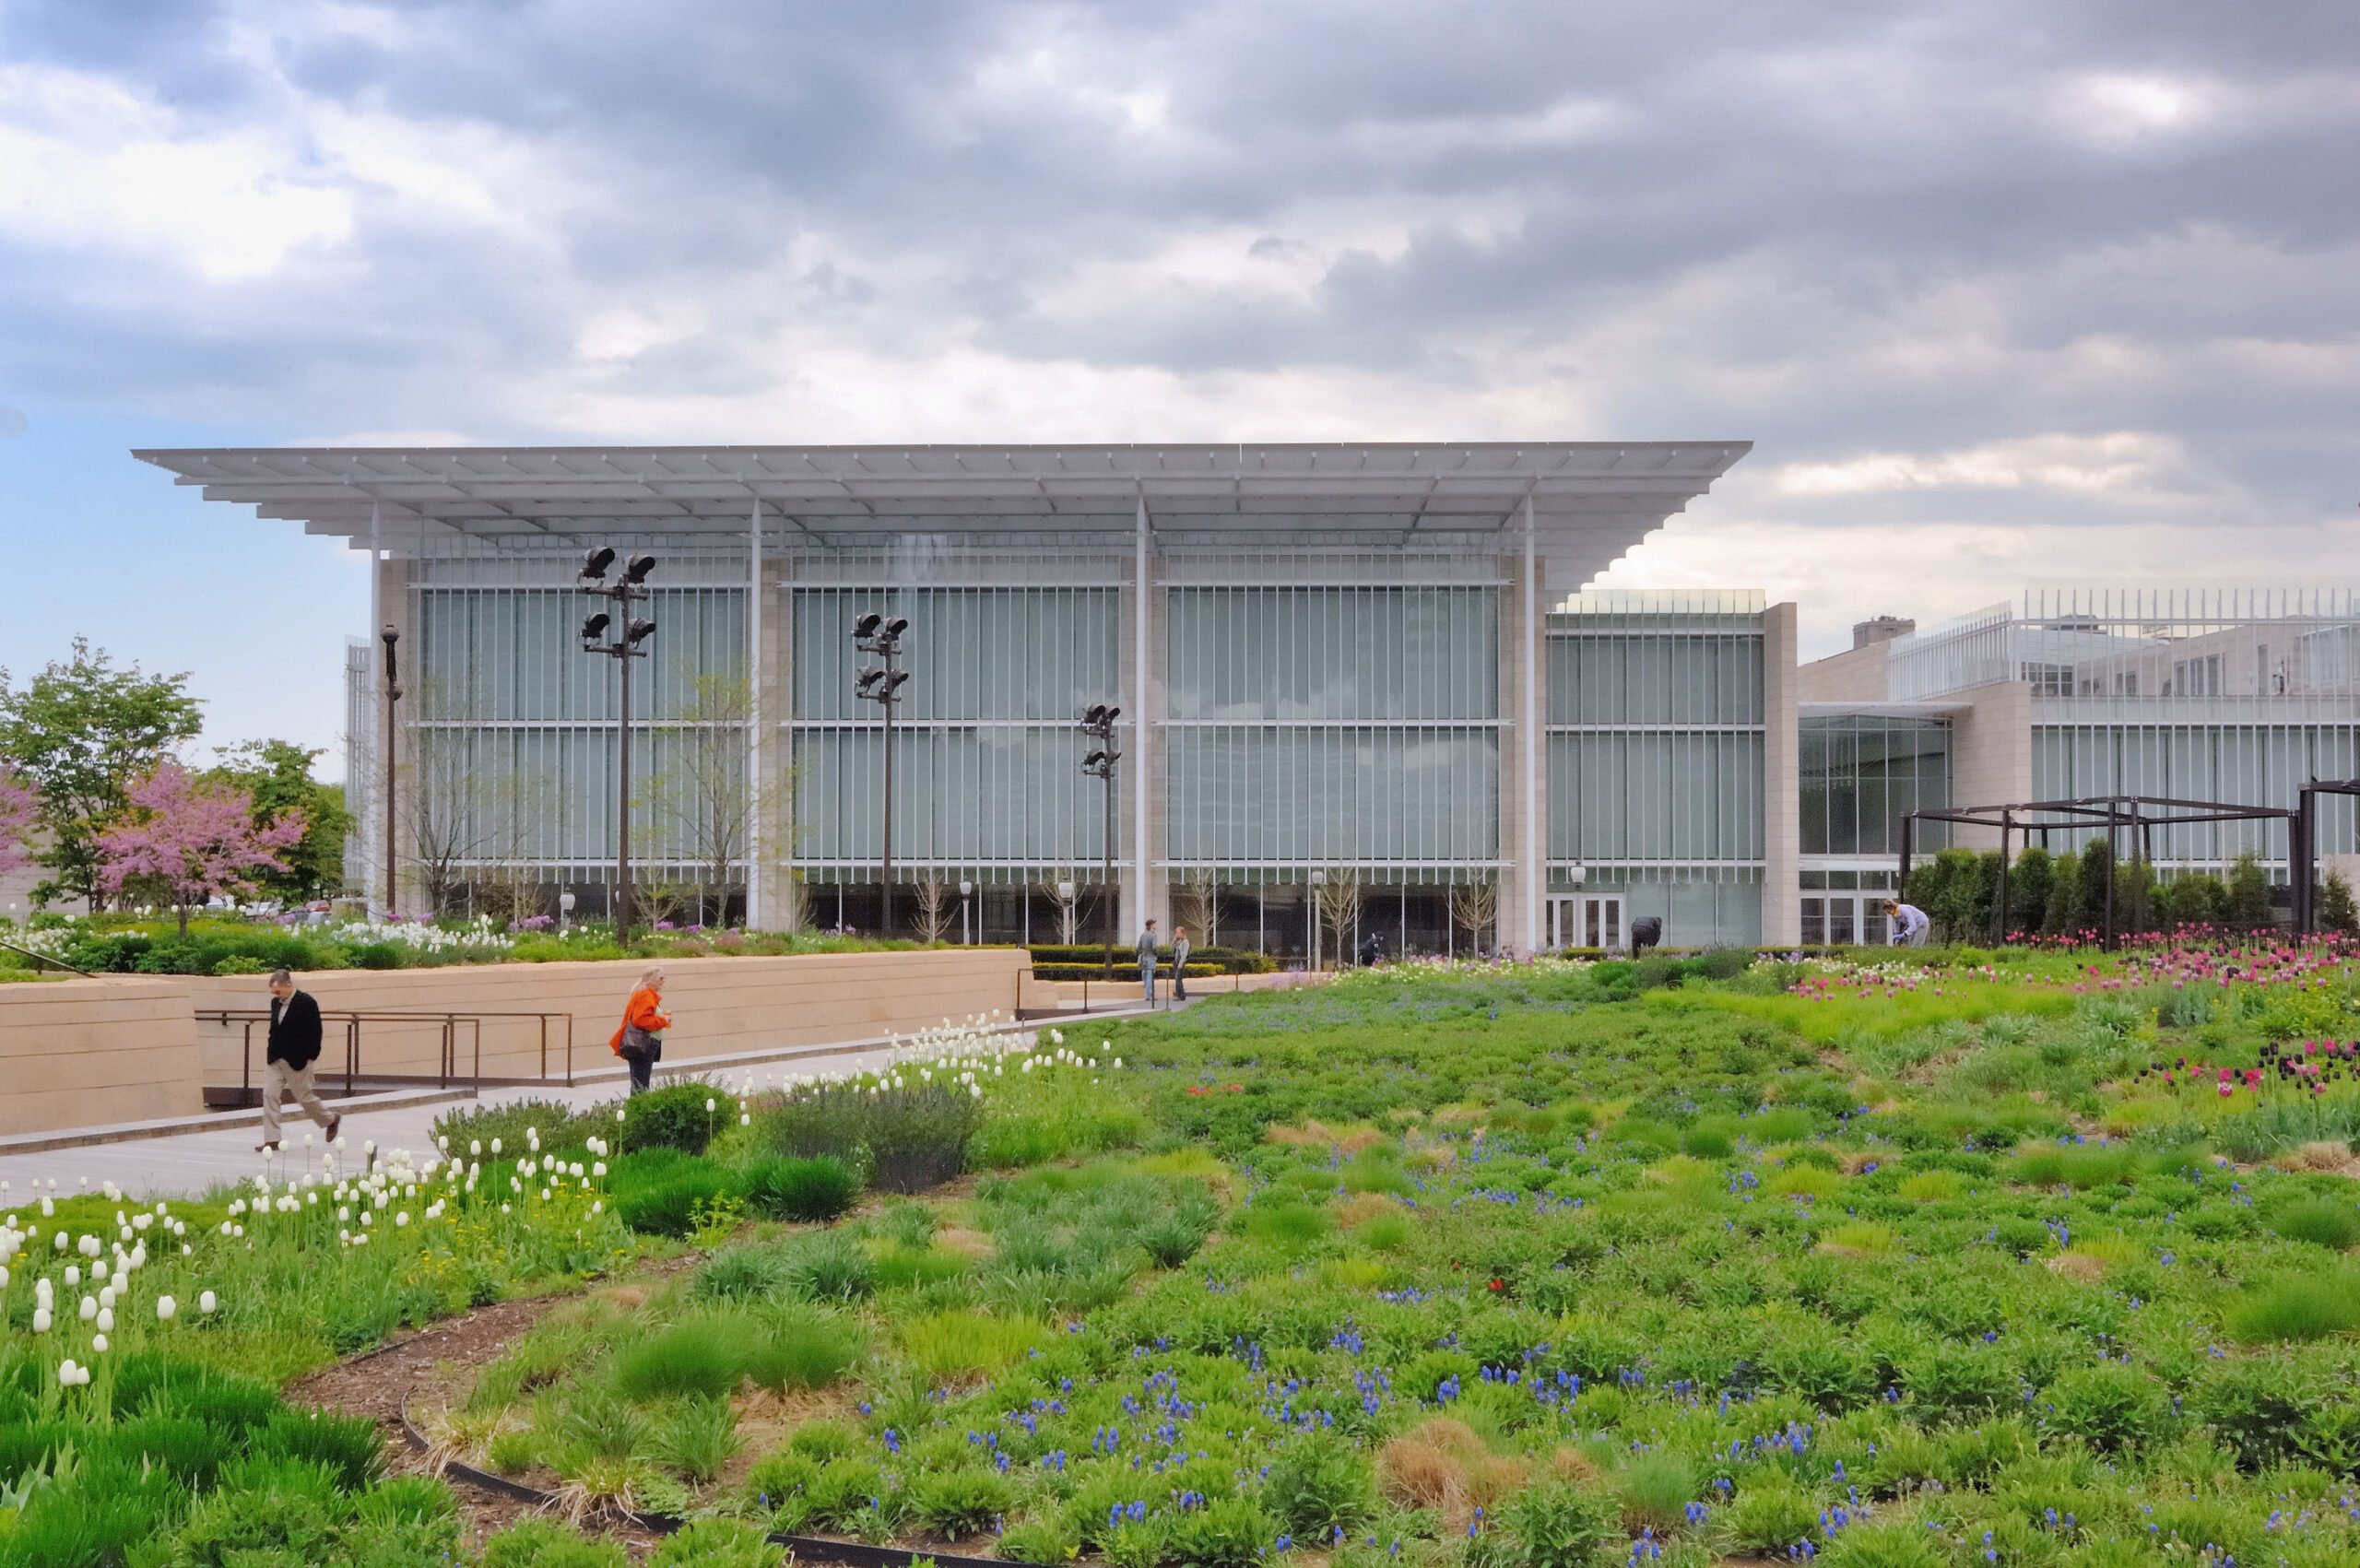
(640, 1040)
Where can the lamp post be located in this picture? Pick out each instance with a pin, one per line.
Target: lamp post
(966, 922)
(619, 636)
(390, 636)
(882, 683)
(1098, 722)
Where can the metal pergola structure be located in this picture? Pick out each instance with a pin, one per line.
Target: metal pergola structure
(2142, 814)
(2302, 873)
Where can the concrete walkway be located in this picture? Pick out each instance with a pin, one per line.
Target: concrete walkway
(186, 1165)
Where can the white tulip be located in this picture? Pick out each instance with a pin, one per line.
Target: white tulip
(89, 1309)
(41, 1320)
(165, 1308)
(65, 1371)
(206, 1300)
(73, 1275)
(106, 1319)
(98, 1343)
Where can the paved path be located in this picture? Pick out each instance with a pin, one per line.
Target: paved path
(187, 1163)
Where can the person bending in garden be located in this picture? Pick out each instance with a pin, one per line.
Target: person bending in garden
(289, 1061)
(1909, 923)
(640, 1040)
(1147, 961)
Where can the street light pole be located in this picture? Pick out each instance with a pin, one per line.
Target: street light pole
(881, 684)
(1098, 722)
(618, 637)
(390, 636)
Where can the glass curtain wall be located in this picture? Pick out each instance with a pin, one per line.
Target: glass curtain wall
(987, 781)
(1655, 759)
(513, 732)
(2243, 764)
(1331, 727)
(1860, 774)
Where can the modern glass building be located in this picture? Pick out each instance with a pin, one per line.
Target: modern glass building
(2238, 696)
(1363, 688)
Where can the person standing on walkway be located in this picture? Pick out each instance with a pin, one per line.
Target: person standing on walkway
(1147, 961)
(289, 1059)
(1179, 963)
(640, 1040)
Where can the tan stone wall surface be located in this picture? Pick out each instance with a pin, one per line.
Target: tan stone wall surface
(1857, 675)
(74, 1052)
(720, 1007)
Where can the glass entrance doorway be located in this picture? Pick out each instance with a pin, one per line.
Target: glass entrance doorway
(1586, 920)
(1841, 920)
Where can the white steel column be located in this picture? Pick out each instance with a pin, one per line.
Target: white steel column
(757, 794)
(1136, 888)
(1536, 847)
(372, 789)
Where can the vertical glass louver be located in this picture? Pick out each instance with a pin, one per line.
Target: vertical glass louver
(986, 759)
(1313, 726)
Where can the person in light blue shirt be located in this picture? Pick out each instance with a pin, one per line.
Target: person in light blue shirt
(1909, 923)
(1147, 961)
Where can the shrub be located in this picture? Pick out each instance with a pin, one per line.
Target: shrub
(537, 1543)
(2107, 1405)
(703, 1355)
(1900, 1543)
(553, 1119)
(2300, 1306)
(957, 1503)
(2323, 1220)
(1229, 1532)
(961, 1342)
(742, 1273)
(669, 1197)
(1289, 1226)
(698, 1438)
(1559, 1524)
(1771, 1517)
(674, 1117)
(346, 1448)
(1318, 1484)
(718, 1543)
(906, 1139)
(828, 1267)
(801, 1351)
(1050, 1539)
(813, 1191)
(1655, 1490)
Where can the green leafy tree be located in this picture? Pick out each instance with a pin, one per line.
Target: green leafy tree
(277, 775)
(2029, 881)
(2097, 873)
(2134, 897)
(2062, 915)
(2248, 894)
(78, 733)
(2194, 898)
(2336, 910)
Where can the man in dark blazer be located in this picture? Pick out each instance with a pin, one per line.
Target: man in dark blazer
(294, 1051)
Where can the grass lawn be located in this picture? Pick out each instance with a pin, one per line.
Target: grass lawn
(2014, 1258)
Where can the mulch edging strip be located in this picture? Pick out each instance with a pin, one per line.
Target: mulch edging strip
(817, 1548)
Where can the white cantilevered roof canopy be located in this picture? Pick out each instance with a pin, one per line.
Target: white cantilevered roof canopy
(1591, 501)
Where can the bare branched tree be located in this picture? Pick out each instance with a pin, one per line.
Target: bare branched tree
(703, 807)
(1473, 908)
(935, 909)
(1198, 897)
(1339, 909)
(469, 816)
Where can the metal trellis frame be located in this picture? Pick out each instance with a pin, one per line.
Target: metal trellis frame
(2142, 814)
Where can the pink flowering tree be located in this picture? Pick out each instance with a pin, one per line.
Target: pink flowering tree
(17, 807)
(191, 840)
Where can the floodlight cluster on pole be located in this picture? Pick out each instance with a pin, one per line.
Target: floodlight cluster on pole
(391, 636)
(1098, 722)
(880, 637)
(618, 635)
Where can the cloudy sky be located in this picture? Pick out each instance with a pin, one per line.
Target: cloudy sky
(2005, 292)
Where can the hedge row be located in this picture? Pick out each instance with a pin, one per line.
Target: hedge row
(1215, 961)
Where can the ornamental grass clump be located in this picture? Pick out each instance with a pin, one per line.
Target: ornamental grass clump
(2297, 1306)
(2325, 1222)
(811, 1191)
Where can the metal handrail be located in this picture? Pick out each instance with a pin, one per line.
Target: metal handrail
(44, 957)
(352, 1018)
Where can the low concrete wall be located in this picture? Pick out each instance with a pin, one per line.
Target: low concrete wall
(720, 1007)
(76, 1052)
(1048, 996)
